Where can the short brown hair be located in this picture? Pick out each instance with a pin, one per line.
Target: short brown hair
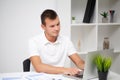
(48, 13)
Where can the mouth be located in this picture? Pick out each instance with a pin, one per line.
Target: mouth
(56, 32)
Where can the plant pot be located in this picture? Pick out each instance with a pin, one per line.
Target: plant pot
(73, 21)
(104, 20)
(102, 75)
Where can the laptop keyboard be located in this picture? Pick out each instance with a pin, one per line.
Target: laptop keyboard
(76, 77)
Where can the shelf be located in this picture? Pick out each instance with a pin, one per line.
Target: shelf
(94, 24)
(84, 24)
(109, 24)
(117, 51)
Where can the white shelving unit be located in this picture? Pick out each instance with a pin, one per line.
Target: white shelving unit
(89, 36)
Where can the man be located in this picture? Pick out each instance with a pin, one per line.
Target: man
(49, 50)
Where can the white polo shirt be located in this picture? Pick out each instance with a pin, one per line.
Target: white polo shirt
(51, 53)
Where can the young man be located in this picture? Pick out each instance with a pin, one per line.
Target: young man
(49, 50)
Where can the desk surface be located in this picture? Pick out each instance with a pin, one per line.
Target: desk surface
(32, 76)
(43, 76)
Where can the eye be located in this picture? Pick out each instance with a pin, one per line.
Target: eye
(52, 26)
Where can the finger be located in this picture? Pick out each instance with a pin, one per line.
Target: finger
(74, 72)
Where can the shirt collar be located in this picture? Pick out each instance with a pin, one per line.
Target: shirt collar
(45, 41)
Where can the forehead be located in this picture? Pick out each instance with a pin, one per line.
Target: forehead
(52, 21)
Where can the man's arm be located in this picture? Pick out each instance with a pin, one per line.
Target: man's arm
(41, 67)
(77, 60)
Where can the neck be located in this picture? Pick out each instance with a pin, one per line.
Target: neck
(51, 38)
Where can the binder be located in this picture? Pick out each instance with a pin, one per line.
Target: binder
(89, 11)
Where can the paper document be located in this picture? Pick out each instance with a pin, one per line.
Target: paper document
(43, 76)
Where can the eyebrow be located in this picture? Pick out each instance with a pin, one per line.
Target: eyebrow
(56, 24)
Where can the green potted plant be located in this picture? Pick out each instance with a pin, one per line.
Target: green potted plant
(73, 20)
(103, 65)
(104, 16)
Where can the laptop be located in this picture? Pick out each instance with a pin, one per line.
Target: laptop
(90, 70)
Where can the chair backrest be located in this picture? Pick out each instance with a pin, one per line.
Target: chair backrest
(26, 65)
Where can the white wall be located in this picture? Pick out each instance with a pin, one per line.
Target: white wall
(19, 20)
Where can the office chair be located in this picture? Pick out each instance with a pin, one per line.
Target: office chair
(26, 65)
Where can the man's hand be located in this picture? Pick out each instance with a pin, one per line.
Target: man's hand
(71, 71)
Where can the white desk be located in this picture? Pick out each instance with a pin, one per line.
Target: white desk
(32, 76)
(43, 76)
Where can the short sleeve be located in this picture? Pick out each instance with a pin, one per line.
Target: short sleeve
(70, 48)
(32, 48)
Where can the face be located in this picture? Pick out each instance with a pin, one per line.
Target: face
(52, 27)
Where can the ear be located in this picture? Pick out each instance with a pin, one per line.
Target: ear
(43, 27)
